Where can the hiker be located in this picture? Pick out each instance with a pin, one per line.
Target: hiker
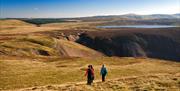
(92, 70)
(89, 74)
(103, 72)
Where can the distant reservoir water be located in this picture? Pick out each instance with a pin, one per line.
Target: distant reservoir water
(138, 26)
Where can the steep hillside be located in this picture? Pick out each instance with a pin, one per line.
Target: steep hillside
(155, 43)
(44, 46)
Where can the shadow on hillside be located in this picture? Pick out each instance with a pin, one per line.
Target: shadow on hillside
(133, 44)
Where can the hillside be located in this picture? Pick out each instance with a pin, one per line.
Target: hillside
(13, 22)
(44, 46)
(134, 19)
(154, 43)
(136, 16)
(55, 56)
(63, 73)
(149, 82)
(126, 19)
(15, 26)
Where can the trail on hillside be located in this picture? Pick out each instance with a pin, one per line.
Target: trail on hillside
(160, 82)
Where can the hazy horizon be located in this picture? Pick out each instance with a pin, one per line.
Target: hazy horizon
(84, 8)
(86, 16)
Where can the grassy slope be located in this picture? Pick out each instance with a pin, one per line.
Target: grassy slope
(157, 82)
(21, 73)
(13, 22)
(27, 46)
(76, 50)
(44, 46)
(20, 27)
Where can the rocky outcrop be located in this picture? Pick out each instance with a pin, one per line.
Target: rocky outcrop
(71, 35)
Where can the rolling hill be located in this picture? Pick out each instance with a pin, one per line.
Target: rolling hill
(13, 22)
(165, 19)
(33, 46)
(135, 16)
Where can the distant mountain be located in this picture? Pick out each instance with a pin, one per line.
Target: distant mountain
(126, 19)
(135, 16)
(160, 16)
(177, 15)
(134, 19)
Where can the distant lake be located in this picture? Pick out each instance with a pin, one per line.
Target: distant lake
(138, 26)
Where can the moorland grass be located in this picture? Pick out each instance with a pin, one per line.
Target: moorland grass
(24, 73)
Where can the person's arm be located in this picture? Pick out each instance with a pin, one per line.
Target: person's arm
(86, 73)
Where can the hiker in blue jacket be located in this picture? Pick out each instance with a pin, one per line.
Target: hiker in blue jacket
(103, 72)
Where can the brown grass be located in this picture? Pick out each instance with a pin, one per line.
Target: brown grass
(21, 67)
(28, 73)
(20, 27)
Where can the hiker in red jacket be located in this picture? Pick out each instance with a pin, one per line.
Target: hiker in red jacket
(89, 74)
(92, 70)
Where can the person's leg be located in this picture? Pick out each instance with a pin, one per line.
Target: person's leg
(88, 81)
(102, 78)
(92, 80)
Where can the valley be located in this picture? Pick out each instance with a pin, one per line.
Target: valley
(53, 54)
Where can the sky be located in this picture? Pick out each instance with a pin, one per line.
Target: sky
(82, 8)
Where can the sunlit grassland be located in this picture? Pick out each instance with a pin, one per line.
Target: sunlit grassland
(21, 73)
(20, 27)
